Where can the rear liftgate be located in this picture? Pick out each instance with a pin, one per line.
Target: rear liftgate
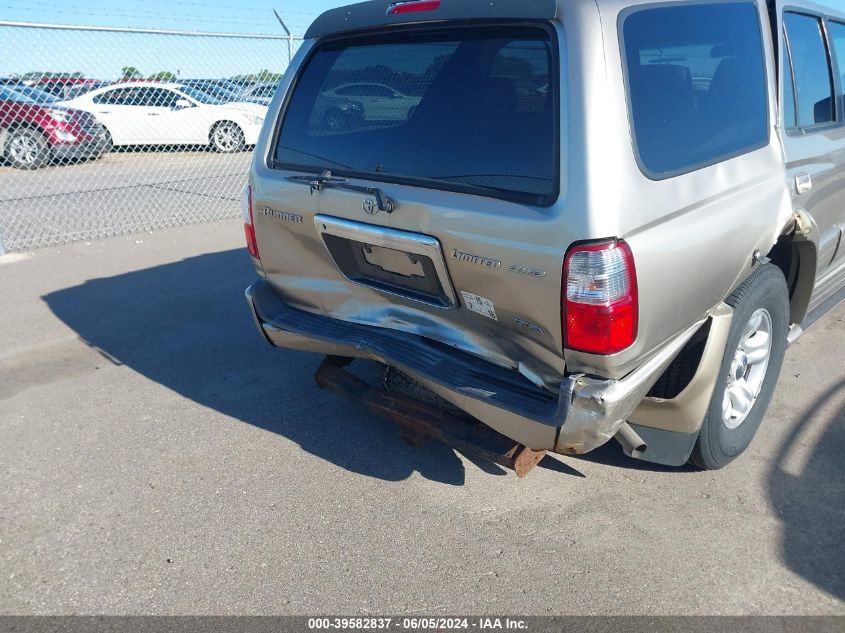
(420, 421)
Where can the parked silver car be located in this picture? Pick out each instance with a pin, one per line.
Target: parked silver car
(597, 219)
(261, 92)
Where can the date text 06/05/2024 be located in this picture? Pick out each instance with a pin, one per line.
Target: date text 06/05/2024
(416, 624)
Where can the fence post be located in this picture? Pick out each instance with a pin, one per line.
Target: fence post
(2, 248)
(288, 33)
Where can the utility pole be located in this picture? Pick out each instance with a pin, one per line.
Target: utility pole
(288, 33)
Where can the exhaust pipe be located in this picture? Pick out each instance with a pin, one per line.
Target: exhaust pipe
(632, 444)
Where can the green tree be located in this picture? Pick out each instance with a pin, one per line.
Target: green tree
(163, 75)
(130, 72)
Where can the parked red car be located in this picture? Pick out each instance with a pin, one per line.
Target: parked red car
(33, 134)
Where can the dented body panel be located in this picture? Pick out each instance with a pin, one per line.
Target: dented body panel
(480, 277)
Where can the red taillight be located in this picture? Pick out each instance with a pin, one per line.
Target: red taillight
(249, 228)
(413, 6)
(599, 304)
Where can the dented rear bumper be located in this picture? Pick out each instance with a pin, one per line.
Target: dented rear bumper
(581, 414)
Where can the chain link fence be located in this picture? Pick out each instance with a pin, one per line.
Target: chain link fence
(107, 131)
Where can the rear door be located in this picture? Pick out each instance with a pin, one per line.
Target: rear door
(471, 254)
(836, 33)
(125, 113)
(814, 122)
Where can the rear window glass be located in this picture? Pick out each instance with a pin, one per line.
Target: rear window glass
(696, 83)
(468, 110)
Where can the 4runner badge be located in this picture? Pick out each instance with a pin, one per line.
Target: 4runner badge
(282, 215)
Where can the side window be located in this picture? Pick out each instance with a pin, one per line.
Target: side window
(696, 78)
(112, 97)
(811, 70)
(789, 120)
(120, 96)
(381, 91)
(160, 98)
(140, 97)
(837, 36)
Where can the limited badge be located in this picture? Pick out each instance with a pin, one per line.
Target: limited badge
(480, 305)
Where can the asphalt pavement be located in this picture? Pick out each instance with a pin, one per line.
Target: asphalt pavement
(123, 192)
(156, 456)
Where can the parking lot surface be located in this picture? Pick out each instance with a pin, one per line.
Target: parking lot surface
(156, 456)
(123, 192)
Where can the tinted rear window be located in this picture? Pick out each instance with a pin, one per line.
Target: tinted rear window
(697, 84)
(468, 110)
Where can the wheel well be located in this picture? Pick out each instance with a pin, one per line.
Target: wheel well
(682, 370)
(796, 258)
(18, 125)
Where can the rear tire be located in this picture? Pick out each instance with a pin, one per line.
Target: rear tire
(749, 371)
(227, 137)
(27, 149)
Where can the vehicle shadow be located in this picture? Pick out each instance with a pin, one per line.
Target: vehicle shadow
(186, 326)
(810, 500)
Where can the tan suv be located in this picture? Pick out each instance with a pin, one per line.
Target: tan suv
(597, 219)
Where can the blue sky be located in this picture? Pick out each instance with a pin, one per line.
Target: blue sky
(252, 16)
(103, 54)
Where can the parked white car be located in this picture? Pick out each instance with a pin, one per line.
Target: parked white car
(144, 113)
(346, 104)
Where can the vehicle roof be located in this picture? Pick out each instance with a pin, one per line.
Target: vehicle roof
(826, 7)
(373, 13)
(818, 7)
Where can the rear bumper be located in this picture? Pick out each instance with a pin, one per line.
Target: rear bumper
(582, 414)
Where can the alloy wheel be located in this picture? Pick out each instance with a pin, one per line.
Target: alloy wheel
(24, 149)
(747, 369)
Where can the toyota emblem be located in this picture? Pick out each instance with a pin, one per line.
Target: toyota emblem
(370, 206)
